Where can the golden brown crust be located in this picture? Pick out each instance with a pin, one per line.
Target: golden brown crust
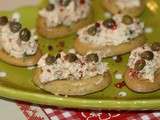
(74, 87)
(111, 6)
(61, 31)
(108, 51)
(23, 62)
(142, 85)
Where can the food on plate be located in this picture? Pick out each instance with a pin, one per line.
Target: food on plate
(114, 36)
(143, 73)
(18, 44)
(72, 74)
(128, 7)
(64, 17)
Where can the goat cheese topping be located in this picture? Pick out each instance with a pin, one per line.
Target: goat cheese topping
(64, 69)
(150, 67)
(66, 15)
(13, 45)
(118, 34)
(122, 4)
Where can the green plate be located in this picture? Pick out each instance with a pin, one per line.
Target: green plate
(18, 83)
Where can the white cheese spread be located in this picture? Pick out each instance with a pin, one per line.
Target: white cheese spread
(122, 4)
(63, 69)
(105, 36)
(151, 65)
(66, 15)
(11, 43)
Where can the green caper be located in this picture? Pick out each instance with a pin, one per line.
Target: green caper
(58, 55)
(92, 30)
(139, 65)
(50, 60)
(25, 34)
(156, 46)
(15, 26)
(71, 57)
(50, 7)
(127, 20)
(66, 2)
(93, 57)
(147, 55)
(3, 20)
(118, 59)
(110, 23)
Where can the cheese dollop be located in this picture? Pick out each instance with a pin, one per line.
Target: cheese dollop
(66, 15)
(122, 33)
(11, 43)
(63, 69)
(151, 65)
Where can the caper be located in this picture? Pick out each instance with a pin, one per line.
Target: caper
(140, 64)
(118, 59)
(97, 25)
(66, 2)
(58, 56)
(148, 55)
(131, 32)
(92, 30)
(25, 34)
(127, 20)
(93, 57)
(3, 20)
(82, 1)
(110, 23)
(156, 46)
(50, 7)
(71, 57)
(50, 60)
(15, 26)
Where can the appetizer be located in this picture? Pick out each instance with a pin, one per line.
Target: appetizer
(63, 17)
(72, 74)
(128, 7)
(143, 73)
(114, 36)
(18, 44)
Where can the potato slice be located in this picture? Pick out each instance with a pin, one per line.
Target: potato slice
(142, 85)
(108, 51)
(74, 87)
(61, 31)
(23, 62)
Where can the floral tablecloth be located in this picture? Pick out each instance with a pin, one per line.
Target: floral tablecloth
(16, 110)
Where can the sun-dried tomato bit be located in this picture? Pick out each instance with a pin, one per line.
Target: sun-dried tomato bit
(120, 84)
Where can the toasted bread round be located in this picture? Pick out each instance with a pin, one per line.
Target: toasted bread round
(111, 6)
(61, 31)
(108, 50)
(142, 85)
(23, 62)
(74, 87)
